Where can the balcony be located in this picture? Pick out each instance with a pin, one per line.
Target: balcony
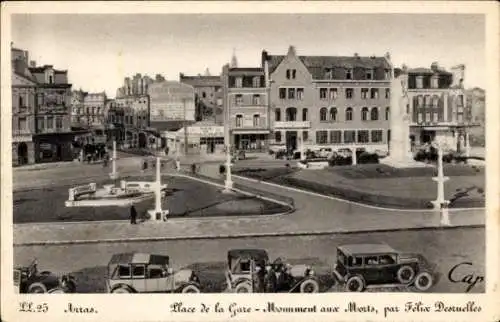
(292, 124)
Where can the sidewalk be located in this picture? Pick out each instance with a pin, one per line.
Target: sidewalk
(314, 215)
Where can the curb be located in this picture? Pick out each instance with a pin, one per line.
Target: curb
(272, 184)
(236, 236)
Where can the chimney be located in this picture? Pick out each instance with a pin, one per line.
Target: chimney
(291, 51)
(388, 56)
(434, 66)
(32, 63)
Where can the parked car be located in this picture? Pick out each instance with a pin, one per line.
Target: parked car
(366, 158)
(361, 266)
(250, 271)
(28, 279)
(148, 273)
(325, 152)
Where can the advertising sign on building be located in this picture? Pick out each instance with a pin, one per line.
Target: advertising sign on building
(171, 101)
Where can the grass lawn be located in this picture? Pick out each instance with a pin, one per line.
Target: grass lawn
(185, 198)
(382, 185)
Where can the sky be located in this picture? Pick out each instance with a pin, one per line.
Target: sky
(99, 51)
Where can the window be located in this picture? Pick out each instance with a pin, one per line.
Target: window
(322, 114)
(291, 114)
(50, 122)
(349, 93)
(282, 92)
(294, 73)
(300, 94)
(304, 114)
(40, 99)
(322, 93)
(348, 114)
(428, 116)
(374, 93)
(387, 93)
(41, 123)
(256, 120)
(420, 101)
(291, 93)
(434, 82)
(321, 137)
(435, 102)
(364, 114)
(369, 74)
(364, 93)
(277, 115)
(371, 260)
(427, 100)
(374, 114)
(355, 261)
(363, 136)
(387, 74)
(138, 271)
(349, 136)
(333, 93)
(435, 117)
(336, 137)
(387, 259)
(460, 100)
(256, 99)
(288, 74)
(51, 79)
(305, 136)
(460, 117)
(387, 113)
(155, 272)
(277, 136)
(333, 114)
(348, 73)
(420, 82)
(239, 120)
(256, 81)
(238, 99)
(204, 95)
(87, 110)
(376, 136)
(22, 125)
(239, 82)
(124, 271)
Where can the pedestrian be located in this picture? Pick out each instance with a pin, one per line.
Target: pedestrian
(133, 215)
(166, 150)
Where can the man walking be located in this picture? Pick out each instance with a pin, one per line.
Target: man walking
(133, 215)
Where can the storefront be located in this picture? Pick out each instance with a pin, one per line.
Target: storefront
(251, 141)
(54, 147)
(196, 139)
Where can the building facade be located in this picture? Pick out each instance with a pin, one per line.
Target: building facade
(328, 101)
(437, 106)
(208, 96)
(23, 109)
(246, 111)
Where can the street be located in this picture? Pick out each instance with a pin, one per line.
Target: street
(445, 248)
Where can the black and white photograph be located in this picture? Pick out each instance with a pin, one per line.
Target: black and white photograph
(215, 152)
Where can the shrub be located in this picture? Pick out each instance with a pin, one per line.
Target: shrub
(222, 169)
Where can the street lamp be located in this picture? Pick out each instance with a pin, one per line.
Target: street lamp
(114, 175)
(158, 214)
(228, 183)
(440, 203)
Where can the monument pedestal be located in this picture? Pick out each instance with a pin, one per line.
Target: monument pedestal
(157, 216)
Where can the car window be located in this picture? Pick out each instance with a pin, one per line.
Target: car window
(138, 271)
(155, 272)
(123, 271)
(245, 266)
(387, 259)
(371, 260)
(355, 261)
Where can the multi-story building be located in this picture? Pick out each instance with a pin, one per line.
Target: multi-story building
(23, 109)
(436, 106)
(246, 112)
(476, 106)
(328, 101)
(208, 96)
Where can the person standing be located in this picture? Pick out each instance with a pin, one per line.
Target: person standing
(133, 215)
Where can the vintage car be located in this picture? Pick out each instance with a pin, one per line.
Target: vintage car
(250, 271)
(28, 279)
(361, 266)
(148, 273)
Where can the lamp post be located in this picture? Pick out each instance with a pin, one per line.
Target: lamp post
(228, 183)
(158, 214)
(440, 203)
(113, 175)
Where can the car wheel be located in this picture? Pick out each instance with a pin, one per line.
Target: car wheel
(56, 291)
(309, 286)
(37, 289)
(355, 284)
(423, 281)
(405, 274)
(121, 290)
(243, 287)
(190, 289)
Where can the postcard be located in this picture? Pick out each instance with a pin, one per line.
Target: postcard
(156, 149)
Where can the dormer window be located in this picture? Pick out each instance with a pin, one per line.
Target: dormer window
(49, 76)
(369, 74)
(348, 73)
